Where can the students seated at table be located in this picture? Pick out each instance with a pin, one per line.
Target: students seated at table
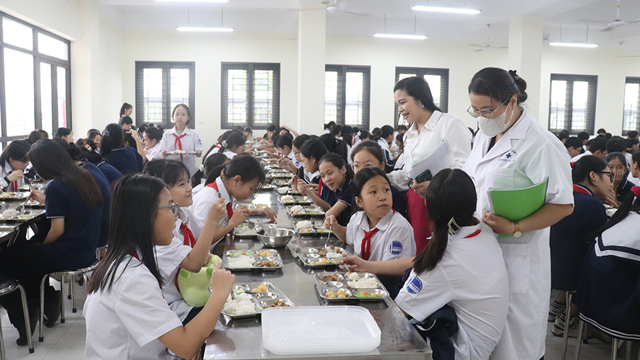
(284, 145)
(369, 154)
(184, 251)
(36, 135)
(571, 237)
(377, 232)
(573, 146)
(384, 140)
(310, 154)
(73, 203)
(152, 137)
(125, 122)
(124, 158)
(618, 166)
(462, 266)
(248, 133)
(77, 156)
(237, 181)
(126, 315)
(64, 133)
(335, 145)
(111, 173)
(199, 179)
(334, 194)
(597, 146)
(295, 167)
(232, 145)
(181, 137)
(13, 162)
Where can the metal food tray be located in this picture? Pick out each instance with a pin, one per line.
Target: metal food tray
(245, 236)
(310, 211)
(279, 182)
(262, 300)
(180, 152)
(18, 195)
(33, 203)
(254, 253)
(307, 255)
(23, 216)
(266, 187)
(298, 200)
(326, 286)
(280, 175)
(317, 230)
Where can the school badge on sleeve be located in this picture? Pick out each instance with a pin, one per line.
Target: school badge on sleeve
(395, 247)
(414, 285)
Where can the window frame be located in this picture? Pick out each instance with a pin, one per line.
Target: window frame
(341, 99)
(590, 112)
(224, 94)
(166, 67)
(631, 80)
(421, 72)
(38, 58)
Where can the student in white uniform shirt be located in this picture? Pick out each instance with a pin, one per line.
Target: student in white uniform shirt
(462, 266)
(182, 138)
(126, 315)
(184, 251)
(152, 138)
(237, 181)
(513, 151)
(377, 232)
(199, 179)
(597, 147)
(232, 145)
(13, 162)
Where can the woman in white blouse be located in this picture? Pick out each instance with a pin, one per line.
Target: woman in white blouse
(429, 128)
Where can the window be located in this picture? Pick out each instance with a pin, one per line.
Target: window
(250, 95)
(438, 80)
(160, 86)
(572, 104)
(346, 95)
(631, 115)
(35, 86)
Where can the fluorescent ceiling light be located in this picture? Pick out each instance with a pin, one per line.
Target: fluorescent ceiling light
(195, 1)
(203, 29)
(578, 45)
(451, 10)
(401, 36)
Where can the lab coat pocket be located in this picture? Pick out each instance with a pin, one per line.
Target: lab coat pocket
(516, 259)
(500, 178)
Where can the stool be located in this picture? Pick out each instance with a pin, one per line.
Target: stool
(8, 286)
(615, 336)
(69, 276)
(567, 321)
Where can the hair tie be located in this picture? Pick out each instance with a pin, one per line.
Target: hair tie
(201, 168)
(453, 226)
(106, 133)
(636, 190)
(224, 143)
(514, 75)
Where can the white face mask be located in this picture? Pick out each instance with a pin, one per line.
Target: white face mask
(493, 127)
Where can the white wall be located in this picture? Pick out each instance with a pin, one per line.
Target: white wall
(57, 16)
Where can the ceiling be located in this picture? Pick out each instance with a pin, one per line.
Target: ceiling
(564, 20)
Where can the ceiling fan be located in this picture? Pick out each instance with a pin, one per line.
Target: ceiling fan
(487, 46)
(617, 22)
(336, 7)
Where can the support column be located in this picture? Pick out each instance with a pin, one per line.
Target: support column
(312, 25)
(525, 56)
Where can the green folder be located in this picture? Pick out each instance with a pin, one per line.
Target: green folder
(517, 204)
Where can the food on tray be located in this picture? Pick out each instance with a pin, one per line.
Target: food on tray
(9, 213)
(335, 255)
(265, 253)
(240, 262)
(297, 209)
(238, 291)
(261, 205)
(342, 294)
(306, 224)
(367, 295)
(330, 277)
(238, 253)
(7, 195)
(244, 231)
(283, 190)
(268, 263)
(352, 276)
(241, 305)
(365, 283)
(320, 262)
(305, 231)
(279, 303)
(261, 288)
(288, 199)
(330, 294)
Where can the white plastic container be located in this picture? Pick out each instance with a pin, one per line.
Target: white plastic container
(319, 330)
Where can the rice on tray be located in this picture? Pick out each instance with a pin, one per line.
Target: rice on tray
(241, 305)
(242, 261)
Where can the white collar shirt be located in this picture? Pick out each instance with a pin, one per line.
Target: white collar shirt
(293, 159)
(6, 170)
(202, 202)
(418, 145)
(154, 153)
(190, 142)
(394, 239)
(229, 154)
(579, 156)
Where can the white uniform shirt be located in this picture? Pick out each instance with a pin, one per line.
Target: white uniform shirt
(526, 154)
(5, 171)
(394, 240)
(190, 142)
(198, 187)
(202, 203)
(399, 162)
(229, 154)
(471, 278)
(419, 145)
(293, 159)
(126, 322)
(577, 157)
(155, 152)
(385, 149)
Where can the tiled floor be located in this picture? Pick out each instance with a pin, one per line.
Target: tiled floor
(66, 341)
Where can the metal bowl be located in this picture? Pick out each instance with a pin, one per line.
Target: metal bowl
(276, 237)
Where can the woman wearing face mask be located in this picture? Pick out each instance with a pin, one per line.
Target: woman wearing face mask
(429, 128)
(513, 151)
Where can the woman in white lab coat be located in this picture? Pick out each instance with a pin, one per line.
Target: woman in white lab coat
(513, 151)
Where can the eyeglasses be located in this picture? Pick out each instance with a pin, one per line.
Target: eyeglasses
(484, 112)
(174, 208)
(611, 174)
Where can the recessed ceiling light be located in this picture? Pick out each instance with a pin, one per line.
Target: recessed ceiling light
(578, 45)
(203, 29)
(401, 36)
(195, 1)
(441, 9)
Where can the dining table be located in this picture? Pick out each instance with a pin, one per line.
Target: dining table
(9, 228)
(242, 338)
